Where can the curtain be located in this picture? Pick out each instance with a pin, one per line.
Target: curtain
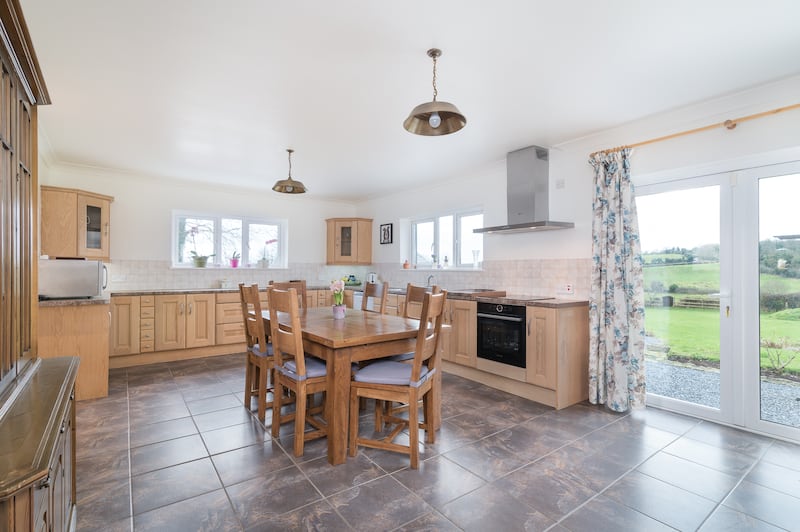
(616, 303)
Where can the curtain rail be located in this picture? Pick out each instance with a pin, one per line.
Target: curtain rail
(729, 124)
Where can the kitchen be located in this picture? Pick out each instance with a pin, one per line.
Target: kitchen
(144, 202)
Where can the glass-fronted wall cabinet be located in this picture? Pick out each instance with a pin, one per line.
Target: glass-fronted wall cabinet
(349, 241)
(75, 223)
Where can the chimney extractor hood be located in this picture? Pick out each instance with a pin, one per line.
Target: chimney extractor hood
(527, 193)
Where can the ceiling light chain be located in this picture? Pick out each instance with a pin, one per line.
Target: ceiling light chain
(434, 118)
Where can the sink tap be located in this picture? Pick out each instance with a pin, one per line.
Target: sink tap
(430, 281)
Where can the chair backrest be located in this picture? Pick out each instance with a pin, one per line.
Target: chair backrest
(298, 285)
(414, 298)
(377, 292)
(430, 328)
(254, 330)
(287, 337)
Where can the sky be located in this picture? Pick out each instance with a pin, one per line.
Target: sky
(690, 218)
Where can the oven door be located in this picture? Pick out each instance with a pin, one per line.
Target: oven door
(502, 338)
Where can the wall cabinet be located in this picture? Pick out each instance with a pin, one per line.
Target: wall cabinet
(184, 321)
(558, 352)
(78, 330)
(75, 223)
(349, 241)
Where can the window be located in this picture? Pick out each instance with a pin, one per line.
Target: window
(447, 241)
(218, 237)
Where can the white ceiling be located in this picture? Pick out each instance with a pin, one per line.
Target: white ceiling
(216, 91)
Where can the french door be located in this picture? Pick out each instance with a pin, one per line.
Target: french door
(722, 295)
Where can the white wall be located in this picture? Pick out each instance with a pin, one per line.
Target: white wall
(142, 210)
(767, 140)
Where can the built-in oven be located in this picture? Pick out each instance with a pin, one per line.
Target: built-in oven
(501, 333)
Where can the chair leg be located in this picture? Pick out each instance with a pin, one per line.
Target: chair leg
(276, 406)
(263, 374)
(413, 430)
(299, 421)
(248, 382)
(354, 413)
(428, 407)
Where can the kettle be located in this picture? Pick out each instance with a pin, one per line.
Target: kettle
(372, 277)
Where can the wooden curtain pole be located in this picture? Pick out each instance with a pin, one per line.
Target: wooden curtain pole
(729, 124)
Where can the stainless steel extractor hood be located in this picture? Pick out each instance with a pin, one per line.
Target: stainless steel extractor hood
(528, 193)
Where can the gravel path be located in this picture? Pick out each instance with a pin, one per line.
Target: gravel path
(780, 400)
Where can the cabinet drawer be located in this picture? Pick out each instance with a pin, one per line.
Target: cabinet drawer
(147, 312)
(147, 323)
(230, 333)
(147, 334)
(148, 301)
(229, 313)
(147, 346)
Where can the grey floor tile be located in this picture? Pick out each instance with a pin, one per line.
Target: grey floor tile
(493, 508)
(784, 454)
(317, 516)
(162, 431)
(172, 484)
(603, 514)
(729, 438)
(768, 505)
(730, 462)
(663, 502)
(250, 462)
(211, 511)
(234, 437)
(691, 476)
(776, 477)
(222, 418)
(439, 481)
(726, 519)
(430, 522)
(167, 453)
(329, 480)
(212, 403)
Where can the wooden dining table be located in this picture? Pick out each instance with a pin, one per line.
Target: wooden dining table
(361, 335)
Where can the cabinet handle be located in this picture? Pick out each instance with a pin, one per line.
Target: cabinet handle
(190, 309)
(106, 230)
(529, 326)
(63, 428)
(88, 220)
(45, 483)
(180, 312)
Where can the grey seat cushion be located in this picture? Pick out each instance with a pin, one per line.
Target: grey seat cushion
(256, 350)
(389, 372)
(401, 358)
(314, 368)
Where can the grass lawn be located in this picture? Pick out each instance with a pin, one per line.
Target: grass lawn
(694, 333)
(704, 278)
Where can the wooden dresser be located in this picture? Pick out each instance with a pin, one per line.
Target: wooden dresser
(37, 450)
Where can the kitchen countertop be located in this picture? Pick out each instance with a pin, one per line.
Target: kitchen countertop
(77, 302)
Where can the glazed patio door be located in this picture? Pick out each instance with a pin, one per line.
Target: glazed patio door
(685, 232)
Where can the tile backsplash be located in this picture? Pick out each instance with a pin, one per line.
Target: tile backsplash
(518, 277)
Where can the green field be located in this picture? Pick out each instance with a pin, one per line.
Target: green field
(704, 279)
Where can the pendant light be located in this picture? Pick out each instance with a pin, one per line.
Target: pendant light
(434, 118)
(289, 186)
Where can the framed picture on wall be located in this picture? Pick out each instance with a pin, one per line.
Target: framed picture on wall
(386, 233)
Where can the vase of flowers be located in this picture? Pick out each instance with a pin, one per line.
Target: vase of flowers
(199, 261)
(337, 289)
(235, 259)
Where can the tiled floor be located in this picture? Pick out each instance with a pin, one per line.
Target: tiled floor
(172, 448)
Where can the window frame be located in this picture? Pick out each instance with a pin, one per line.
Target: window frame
(281, 260)
(455, 262)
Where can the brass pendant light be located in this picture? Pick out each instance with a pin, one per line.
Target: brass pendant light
(434, 118)
(289, 186)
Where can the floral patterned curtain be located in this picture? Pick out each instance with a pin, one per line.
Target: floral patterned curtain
(616, 303)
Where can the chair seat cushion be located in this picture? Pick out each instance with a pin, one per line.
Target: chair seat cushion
(314, 368)
(390, 372)
(256, 350)
(401, 358)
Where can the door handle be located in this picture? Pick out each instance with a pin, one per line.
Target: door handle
(529, 326)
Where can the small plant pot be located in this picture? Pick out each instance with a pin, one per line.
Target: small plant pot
(338, 312)
(200, 262)
(263, 263)
(234, 263)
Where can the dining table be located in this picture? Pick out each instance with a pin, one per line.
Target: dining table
(359, 336)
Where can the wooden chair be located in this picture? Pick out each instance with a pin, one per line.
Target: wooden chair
(375, 293)
(298, 284)
(258, 378)
(392, 381)
(294, 371)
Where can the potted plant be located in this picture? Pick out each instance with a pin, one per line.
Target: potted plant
(200, 261)
(337, 288)
(235, 259)
(264, 261)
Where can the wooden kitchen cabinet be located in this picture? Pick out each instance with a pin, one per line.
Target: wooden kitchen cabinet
(124, 325)
(80, 330)
(75, 223)
(349, 241)
(557, 349)
(184, 321)
(228, 316)
(462, 316)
